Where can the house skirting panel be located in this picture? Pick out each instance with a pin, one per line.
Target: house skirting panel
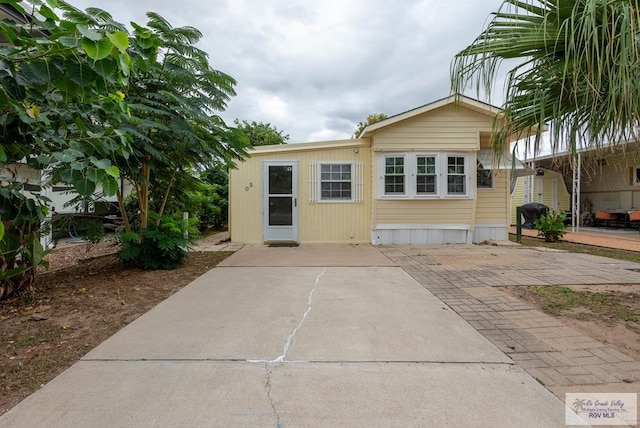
(420, 236)
(490, 232)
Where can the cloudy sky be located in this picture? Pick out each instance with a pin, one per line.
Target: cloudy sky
(316, 68)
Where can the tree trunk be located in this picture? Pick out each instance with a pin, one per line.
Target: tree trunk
(166, 195)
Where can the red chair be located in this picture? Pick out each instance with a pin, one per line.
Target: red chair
(604, 217)
(633, 220)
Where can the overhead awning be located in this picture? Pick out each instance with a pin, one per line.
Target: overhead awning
(488, 159)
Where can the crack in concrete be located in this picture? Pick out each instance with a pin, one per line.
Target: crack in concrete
(285, 350)
(267, 387)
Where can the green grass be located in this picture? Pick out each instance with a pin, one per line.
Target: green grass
(581, 304)
(607, 306)
(630, 256)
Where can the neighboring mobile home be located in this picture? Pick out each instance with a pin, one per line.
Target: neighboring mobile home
(545, 187)
(609, 178)
(426, 176)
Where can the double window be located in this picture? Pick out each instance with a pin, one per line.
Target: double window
(437, 175)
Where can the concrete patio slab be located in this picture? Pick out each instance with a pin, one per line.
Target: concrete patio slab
(309, 255)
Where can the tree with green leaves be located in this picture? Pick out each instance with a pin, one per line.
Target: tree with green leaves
(372, 118)
(261, 134)
(61, 103)
(173, 98)
(91, 101)
(576, 68)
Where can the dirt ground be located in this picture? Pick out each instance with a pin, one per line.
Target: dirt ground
(85, 297)
(617, 325)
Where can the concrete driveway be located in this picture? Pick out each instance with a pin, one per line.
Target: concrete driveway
(339, 337)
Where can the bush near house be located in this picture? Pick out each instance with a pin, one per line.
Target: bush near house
(551, 226)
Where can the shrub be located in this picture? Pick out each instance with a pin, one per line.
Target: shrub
(162, 245)
(551, 226)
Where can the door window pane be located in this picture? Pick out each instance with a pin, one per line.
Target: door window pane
(280, 211)
(280, 180)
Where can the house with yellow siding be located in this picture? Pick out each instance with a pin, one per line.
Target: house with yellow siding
(604, 179)
(425, 176)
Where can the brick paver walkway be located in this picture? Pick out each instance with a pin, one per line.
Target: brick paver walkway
(561, 358)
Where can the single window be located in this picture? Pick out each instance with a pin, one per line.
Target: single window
(336, 182)
(485, 177)
(394, 175)
(426, 181)
(636, 180)
(456, 176)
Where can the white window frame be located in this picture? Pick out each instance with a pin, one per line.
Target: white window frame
(436, 174)
(315, 182)
(410, 175)
(384, 175)
(352, 182)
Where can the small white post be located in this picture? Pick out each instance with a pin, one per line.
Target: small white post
(185, 219)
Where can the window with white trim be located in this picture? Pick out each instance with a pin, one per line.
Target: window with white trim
(336, 181)
(456, 175)
(424, 175)
(394, 175)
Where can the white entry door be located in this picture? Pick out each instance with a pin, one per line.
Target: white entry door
(540, 190)
(280, 210)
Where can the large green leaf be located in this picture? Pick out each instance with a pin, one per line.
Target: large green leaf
(79, 73)
(97, 49)
(69, 42)
(89, 33)
(95, 175)
(48, 13)
(84, 186)
(106, 68)
(100, 163)
(109, 186)
(120, 40)
(1, 230)
(34, 72)
(64, 157)
(113, 171)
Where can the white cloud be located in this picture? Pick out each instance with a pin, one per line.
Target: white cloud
(315, 68)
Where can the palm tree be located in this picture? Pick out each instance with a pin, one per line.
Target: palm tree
(577, 70)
